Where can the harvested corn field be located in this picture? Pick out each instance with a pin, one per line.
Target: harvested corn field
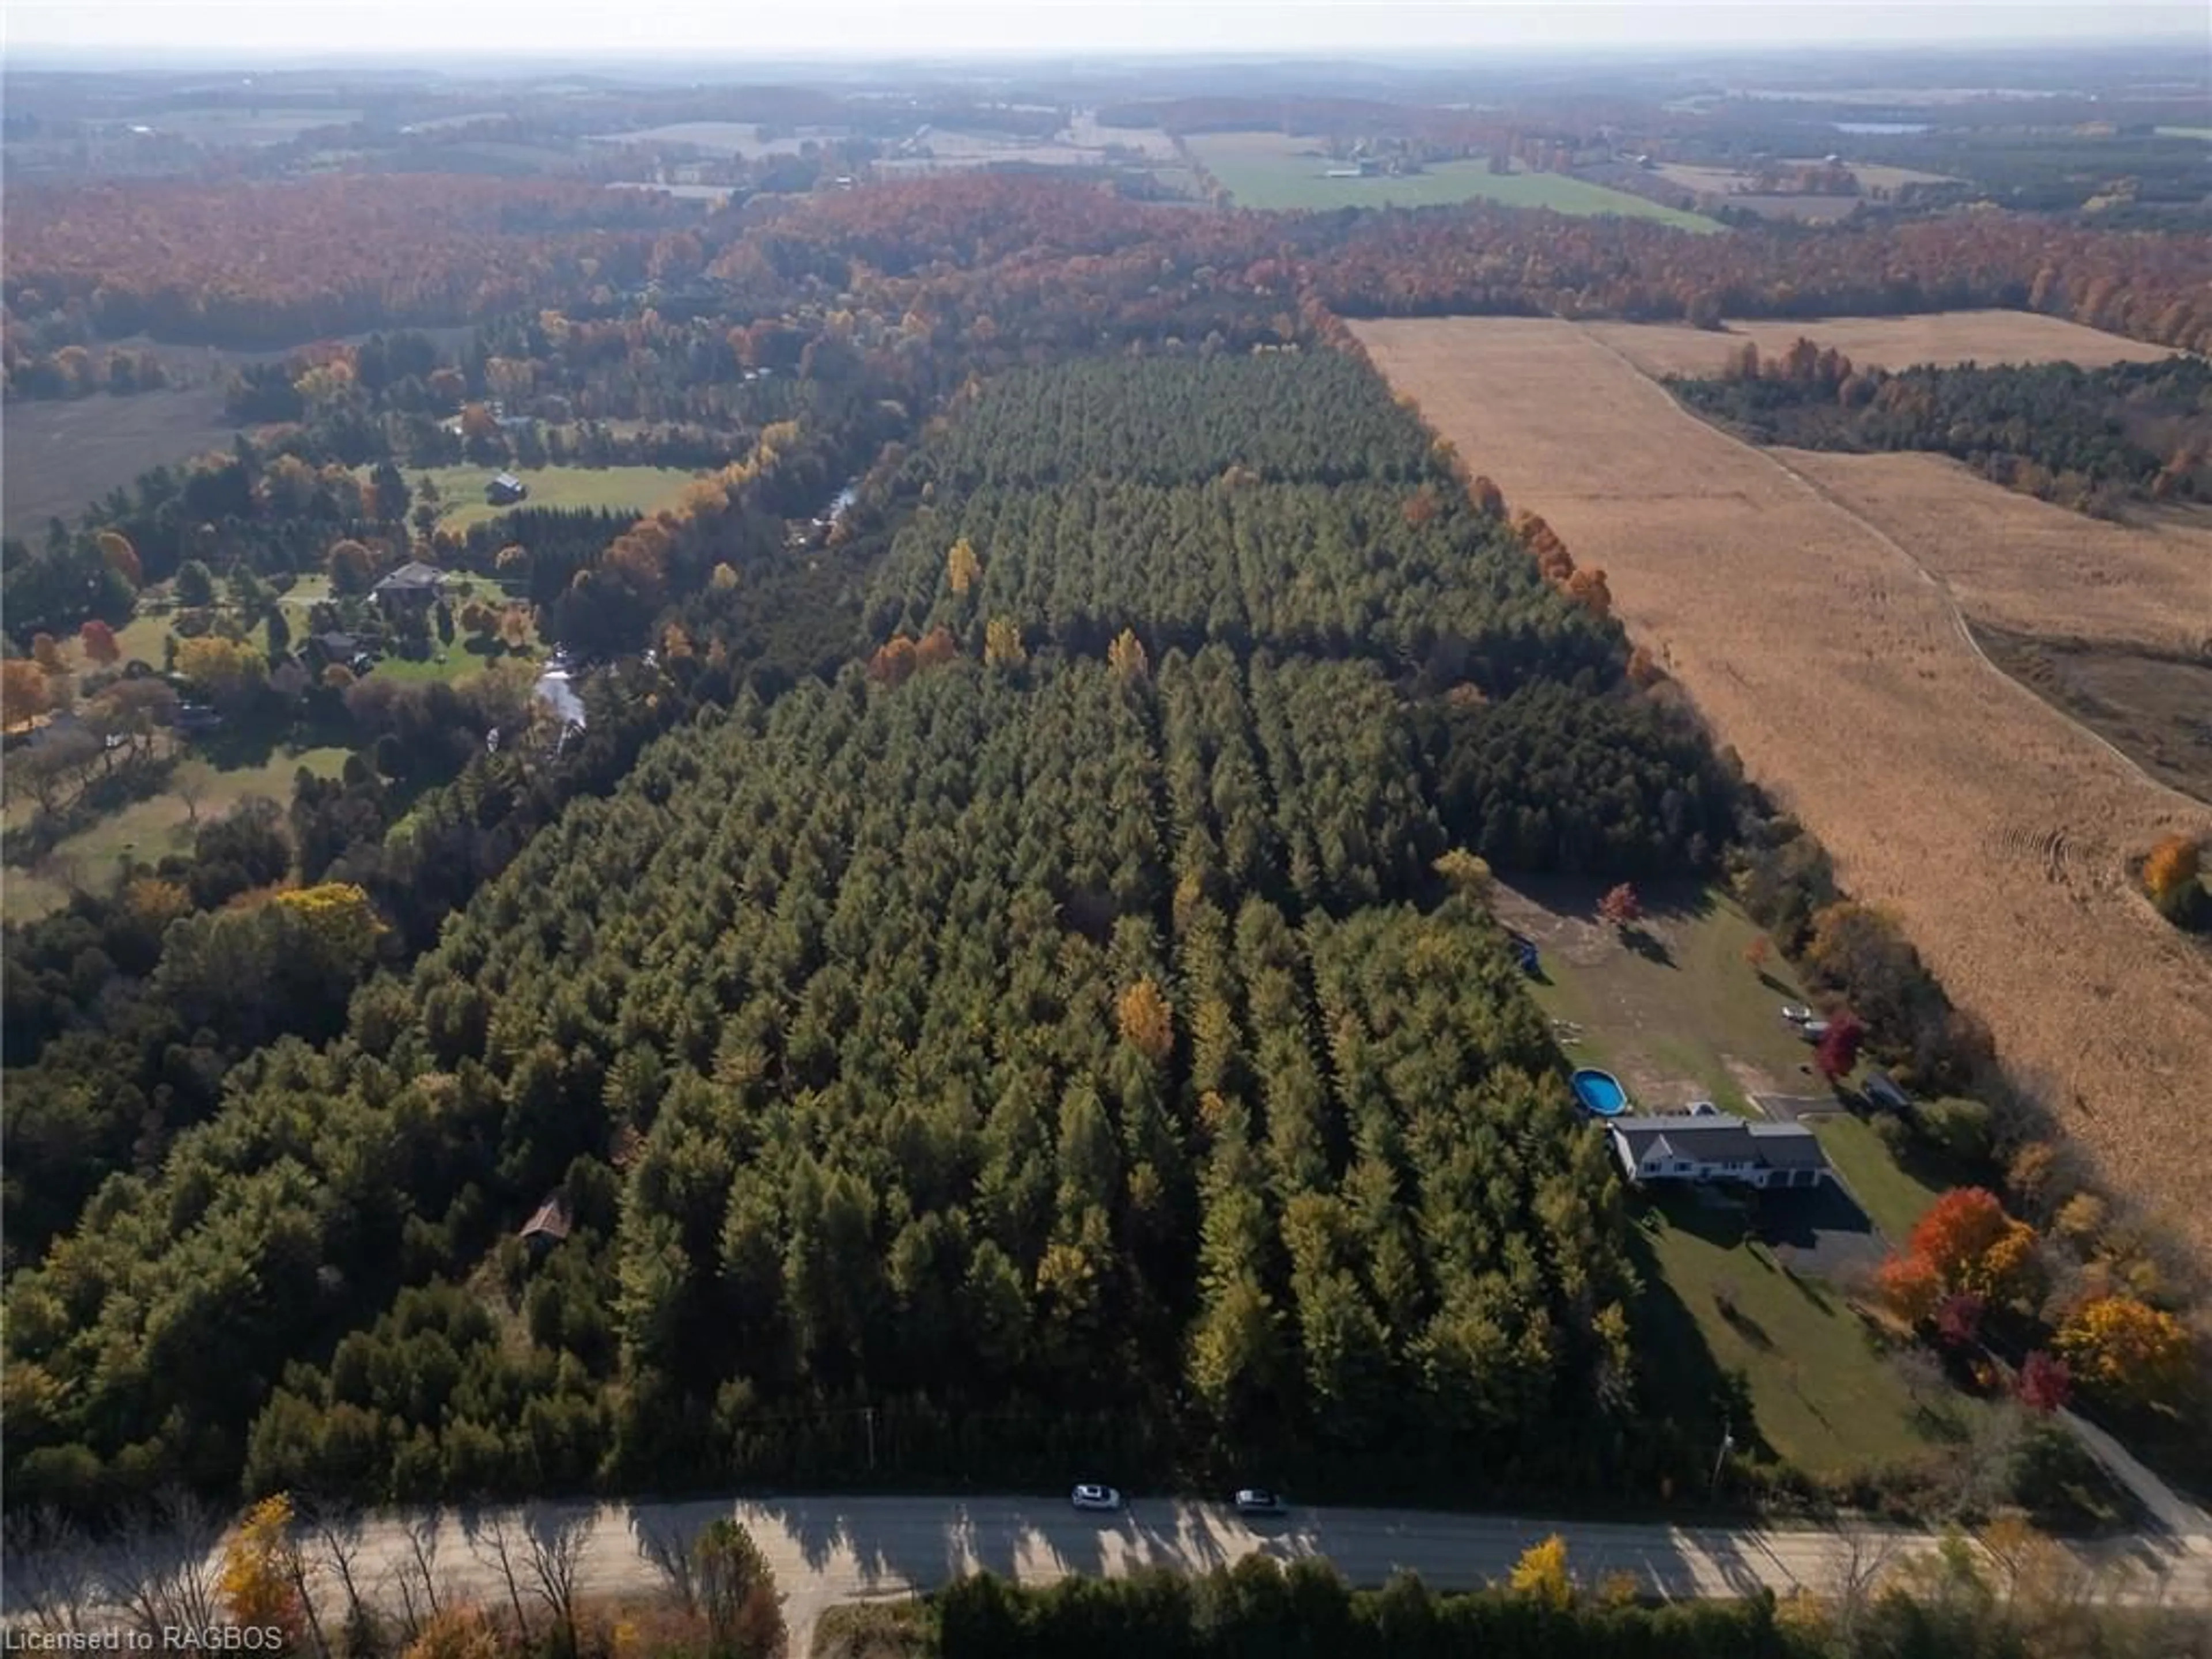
(1838, 666)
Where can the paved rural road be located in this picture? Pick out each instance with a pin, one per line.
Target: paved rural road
(831, 1550)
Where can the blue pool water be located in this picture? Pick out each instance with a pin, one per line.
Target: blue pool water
(1599, 1092)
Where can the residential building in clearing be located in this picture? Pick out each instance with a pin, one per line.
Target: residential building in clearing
(1718, 1147)
(414, 583)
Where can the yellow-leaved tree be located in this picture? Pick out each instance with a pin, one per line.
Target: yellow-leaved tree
(2126, 1349)
(338, 926)
(260, 1582)
(1147, 1023)
(1540, 1574)
(1126, 657)
(961, 566)
(1002, 644)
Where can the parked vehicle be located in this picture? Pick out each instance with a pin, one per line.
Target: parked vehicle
(1258, 1500)
(1100, 1499)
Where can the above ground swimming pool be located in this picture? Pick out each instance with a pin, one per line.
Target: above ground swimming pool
(1599, 1092)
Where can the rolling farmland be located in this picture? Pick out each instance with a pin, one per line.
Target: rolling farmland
(1819, 630)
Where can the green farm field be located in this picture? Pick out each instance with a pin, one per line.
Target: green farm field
(1270, 170)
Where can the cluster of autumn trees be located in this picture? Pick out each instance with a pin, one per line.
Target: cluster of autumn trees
(1969, 1265)
(244, 264)
(2073, 436)
(2146, 285)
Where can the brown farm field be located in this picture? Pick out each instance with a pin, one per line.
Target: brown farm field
(2028, 565)
(58, 458)
(1841, 668)
(1891, 343)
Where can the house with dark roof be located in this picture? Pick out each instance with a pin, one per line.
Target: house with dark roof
(414, 586)
(1717, 1147)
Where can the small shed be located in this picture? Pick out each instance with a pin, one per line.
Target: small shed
(548, 1225)
(506, 490)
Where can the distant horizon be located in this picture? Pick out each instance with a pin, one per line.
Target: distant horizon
(315, 33)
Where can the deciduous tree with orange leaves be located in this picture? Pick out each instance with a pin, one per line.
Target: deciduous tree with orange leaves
(2170, 875)
(1965, 1245)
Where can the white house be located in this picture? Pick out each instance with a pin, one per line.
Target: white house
(1718, 1147)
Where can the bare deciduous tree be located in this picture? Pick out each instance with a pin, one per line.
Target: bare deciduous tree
(555, 1541)
(668, 1547)
(418, 1573)
(49, 1570)
(164, 1563)
(493, 1542)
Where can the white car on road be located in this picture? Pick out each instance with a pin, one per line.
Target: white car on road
(1097, 1499)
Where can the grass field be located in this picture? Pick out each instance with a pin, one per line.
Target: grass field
(1823, 644)
(1679, 1016)
(613, 488)
(1825, 1395)
(1270, 170)
(2205, 133)
(150, 829)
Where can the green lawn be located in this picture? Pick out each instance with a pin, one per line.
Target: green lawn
(1895, 1198)
(1678, 1015)
(2205, 133)
(616, 488)
(1825, 1395)
(1268, 170)
(140, 639)
(149, 829)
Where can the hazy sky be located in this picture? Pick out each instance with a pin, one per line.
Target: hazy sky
(808, 27)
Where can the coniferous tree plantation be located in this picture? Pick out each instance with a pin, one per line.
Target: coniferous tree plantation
(1048, 1045)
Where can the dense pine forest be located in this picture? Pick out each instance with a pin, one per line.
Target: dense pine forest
(1063, 1038)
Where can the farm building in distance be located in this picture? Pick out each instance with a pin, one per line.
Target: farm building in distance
(1717, 1147)
(505, 491)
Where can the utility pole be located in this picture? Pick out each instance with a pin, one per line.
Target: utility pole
(868, 1417)
(1727, 1445)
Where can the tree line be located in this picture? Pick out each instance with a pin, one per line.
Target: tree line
(2089, 439)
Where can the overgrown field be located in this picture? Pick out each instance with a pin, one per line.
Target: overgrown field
(1054, 1037)
(1833, 659)
(1270, 170)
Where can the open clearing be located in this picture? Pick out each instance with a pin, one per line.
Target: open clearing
(60, 456)
(1891, 343)
(1839, 669)
(1677, 1014)
(1272, 170)
(637, 489)
(150, 829)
